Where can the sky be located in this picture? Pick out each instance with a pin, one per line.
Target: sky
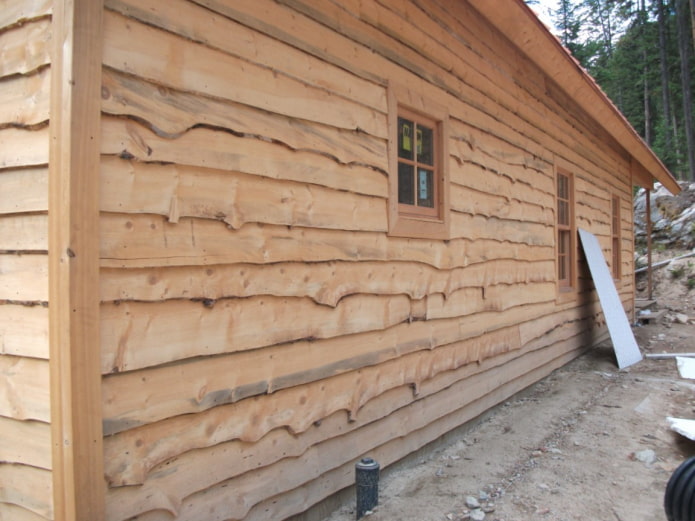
(543, 8)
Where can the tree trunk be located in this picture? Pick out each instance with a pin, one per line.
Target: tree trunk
(665, 90)
(684, 49)
(647, 103)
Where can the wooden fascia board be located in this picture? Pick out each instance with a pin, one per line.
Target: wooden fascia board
(519, 24)
(73, 226)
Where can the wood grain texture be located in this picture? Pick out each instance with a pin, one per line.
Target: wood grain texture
(25, 446)
(135, 335)
(24, 278)
(144, 51)
(198, 24)
(156, 443)
(369, 436)
(73, 226)
(24, 100)
(24, 232)
(16, 12)
(325, 283)
(26, 47)
(24, 330)
(29, 189)
(24, 393)
(171, 112)
(149, 241)
(23, 147)
(178, 191)
(220, 149)
(25, 443)
(26, 487)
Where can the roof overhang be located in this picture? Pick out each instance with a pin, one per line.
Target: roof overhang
(523, 28)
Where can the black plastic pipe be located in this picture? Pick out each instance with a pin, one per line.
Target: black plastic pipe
(367, 485)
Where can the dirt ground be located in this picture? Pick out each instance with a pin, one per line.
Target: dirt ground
(588, 442)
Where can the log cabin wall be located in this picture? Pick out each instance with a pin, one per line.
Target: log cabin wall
(25, 449)
(260, 329)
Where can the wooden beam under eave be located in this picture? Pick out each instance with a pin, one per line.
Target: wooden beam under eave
(78, 476)
(640, 176)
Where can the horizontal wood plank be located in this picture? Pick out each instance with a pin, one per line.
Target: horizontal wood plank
(10, 512)
(171, 112)
(24, 278)
(24, 99)
(24, 330)
(136, 335)
(24, 232)
(145, 51)
(22, 147)
(26, 47)
(27, 486)
(149, 241)
(16, 12)
(24, 393)
(26, 443)
(220, 149)
(325, 283)
(236, 199)
(29, 189)
(194, 23)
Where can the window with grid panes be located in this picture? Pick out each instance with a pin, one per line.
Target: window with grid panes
(615, 236)
(418, 190)
(418, 169)
(565, 239)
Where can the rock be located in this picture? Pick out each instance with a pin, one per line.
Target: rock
(647, 456)
(477, 515)
(672, 216)
(472, 502)
(682, 318)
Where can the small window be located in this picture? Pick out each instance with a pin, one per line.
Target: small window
(418, 177)
(615, 237)
(418, 189)
(565, 231)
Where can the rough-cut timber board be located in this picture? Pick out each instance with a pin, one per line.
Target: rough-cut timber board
(626, 350)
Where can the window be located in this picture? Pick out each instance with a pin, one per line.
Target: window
(565, 231)
(418, 194)
(418, 176)
(615, 236)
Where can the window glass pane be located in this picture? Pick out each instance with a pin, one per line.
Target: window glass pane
(562, 187)
(425, 188)
(563, 213)
(425, 145)
(406, 138)
(406, 183)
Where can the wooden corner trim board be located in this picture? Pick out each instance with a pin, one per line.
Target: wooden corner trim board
(76, 432)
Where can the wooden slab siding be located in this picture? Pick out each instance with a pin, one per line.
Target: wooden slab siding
(255, 313)
(367, 434)
(25, 443)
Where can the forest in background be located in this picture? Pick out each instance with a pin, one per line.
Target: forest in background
(641, 54)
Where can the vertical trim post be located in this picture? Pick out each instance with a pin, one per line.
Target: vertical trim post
(648, 209)
(73, 226)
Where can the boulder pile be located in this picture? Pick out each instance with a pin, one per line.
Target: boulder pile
(673, 217)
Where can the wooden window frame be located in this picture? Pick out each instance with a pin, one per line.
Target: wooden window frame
(565, 232)
(616, 238)
(409, 220)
